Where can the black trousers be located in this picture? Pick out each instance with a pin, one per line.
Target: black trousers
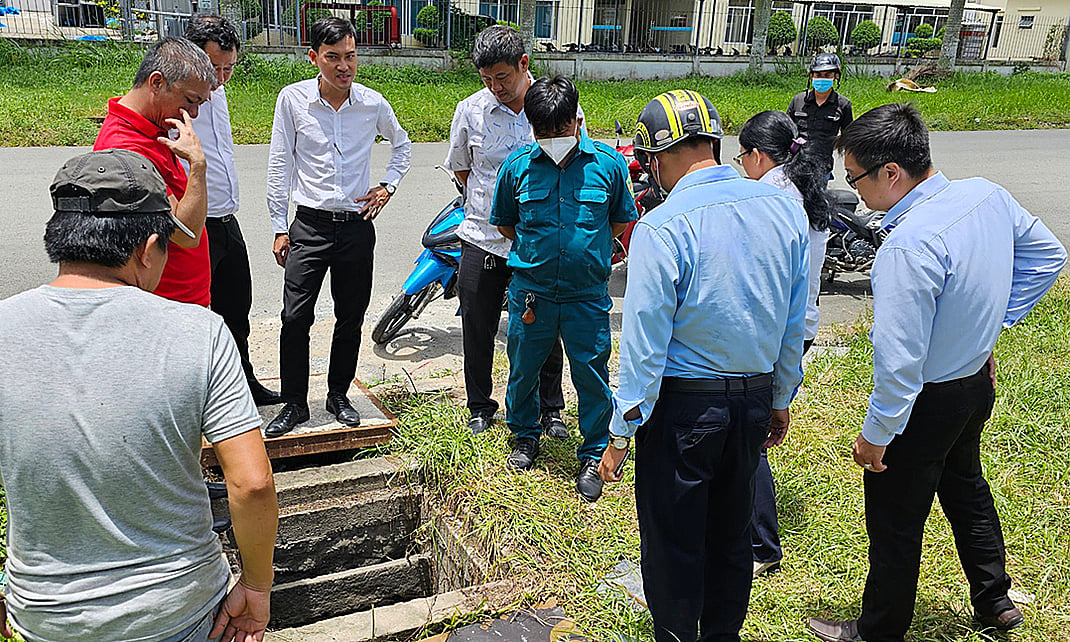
(937, 454)
(232, 282)
(694, 488)
(316, 245)
(765, 527)
(481, 283)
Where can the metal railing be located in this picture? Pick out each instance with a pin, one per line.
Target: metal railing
(673, 27)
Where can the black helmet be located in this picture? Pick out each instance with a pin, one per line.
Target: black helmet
(672, 117)
(825, 62)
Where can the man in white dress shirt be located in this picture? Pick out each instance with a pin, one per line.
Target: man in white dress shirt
(487, 127)
(321, 142)
(232, 281)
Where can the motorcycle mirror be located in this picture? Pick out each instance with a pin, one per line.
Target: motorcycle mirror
(618, 128)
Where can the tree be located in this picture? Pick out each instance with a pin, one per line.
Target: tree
(923, 31)
(527, 25)
(950, 49)
(762, 9)
(866, 35)
(781, 30)
(820, 32)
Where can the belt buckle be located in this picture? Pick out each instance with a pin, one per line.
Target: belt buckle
(339, 216)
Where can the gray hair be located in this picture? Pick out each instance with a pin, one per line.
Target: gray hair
(176, 59)
(497, 43)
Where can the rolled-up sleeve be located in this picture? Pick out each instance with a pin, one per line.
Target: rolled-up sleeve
(787, 370)
(1038, 259)
(400, 146)
(647, 325)
(906, 285)
(459, 155)
(280, 172)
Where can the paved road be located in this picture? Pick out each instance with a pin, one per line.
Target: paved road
(1031, 164)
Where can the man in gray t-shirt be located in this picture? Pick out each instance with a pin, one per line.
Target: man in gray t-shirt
(105, 393)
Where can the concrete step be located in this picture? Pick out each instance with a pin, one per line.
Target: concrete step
(351, 478)
(309, 600)
(397, 620)
(334, 535)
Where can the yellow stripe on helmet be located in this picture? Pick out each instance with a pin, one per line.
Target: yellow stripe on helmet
(675, 124)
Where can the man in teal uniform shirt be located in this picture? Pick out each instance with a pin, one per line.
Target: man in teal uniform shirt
(561, 199)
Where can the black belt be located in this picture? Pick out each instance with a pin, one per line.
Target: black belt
(725, 385)
(336, 216)
(220, 219)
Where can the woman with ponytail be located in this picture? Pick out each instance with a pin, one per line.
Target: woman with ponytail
(772, 152)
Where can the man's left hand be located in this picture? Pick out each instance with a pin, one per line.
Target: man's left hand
(611, 458)
(5, 626)
(374, 201)
(778, 428)
(869, 456)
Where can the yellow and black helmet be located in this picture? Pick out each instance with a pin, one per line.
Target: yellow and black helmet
(674, 116)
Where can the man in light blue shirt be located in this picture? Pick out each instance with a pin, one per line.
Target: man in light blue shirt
(710, 358)
(962, 261)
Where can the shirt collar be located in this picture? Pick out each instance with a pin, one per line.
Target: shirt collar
(811, 97)
(706, 175)
(923, 191)
(134, 119)
(314, 92)
(586, 146)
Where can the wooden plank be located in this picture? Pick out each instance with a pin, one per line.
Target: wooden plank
(311, 443)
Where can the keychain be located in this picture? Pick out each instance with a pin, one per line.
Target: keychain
(529, 309)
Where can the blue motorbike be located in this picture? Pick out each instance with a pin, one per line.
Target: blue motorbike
(435, 274)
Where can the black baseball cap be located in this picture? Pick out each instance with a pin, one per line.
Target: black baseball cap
(111, 182)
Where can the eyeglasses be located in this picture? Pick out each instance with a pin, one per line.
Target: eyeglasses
(852, 180)
(739, 157)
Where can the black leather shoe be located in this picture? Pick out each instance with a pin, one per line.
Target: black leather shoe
(588, 483)
(525, 451)
(1005, 621)
(339, 406)
(287, 419)
(552, 426)
(832, 631)
(262, 396)
(479, 423)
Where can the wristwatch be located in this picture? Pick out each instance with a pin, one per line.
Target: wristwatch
(390, 189)
(619, 443)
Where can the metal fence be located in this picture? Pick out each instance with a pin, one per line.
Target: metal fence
(676, 27)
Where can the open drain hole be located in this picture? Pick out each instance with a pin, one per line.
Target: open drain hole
(359, 537)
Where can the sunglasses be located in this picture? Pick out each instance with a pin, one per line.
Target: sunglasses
(852, 180)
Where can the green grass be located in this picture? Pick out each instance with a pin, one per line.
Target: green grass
(562, 546)
(56, 97)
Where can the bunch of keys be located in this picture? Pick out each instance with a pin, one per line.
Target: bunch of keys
(529, 309)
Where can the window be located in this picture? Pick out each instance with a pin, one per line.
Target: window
(546, 20)
(1025, 22)
(996, 31)
(506, 10)
(845, 17)
(739, 25)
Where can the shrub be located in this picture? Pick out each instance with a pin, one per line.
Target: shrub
(781, 30)
(289, 16)
(918, 47)
(374, 21)
(820, 32)
(866, 35)
(463, 27)
(923, 31)
(940, 33)
(244, 11)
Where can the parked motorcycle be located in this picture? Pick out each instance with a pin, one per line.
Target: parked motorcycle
(854, 235)
(435, 274)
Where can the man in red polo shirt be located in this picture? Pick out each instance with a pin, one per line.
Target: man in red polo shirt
(175, 77)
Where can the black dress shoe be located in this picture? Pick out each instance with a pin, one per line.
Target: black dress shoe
(588, 483)
(525, 450)
(552, 426)
(479, 423)
(262, 396)
(1005, 621)
(833, 631)
(287, 419)
(339, 406)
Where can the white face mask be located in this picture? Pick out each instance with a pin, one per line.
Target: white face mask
(558, 148)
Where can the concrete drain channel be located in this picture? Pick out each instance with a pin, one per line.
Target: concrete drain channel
(362, 554)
